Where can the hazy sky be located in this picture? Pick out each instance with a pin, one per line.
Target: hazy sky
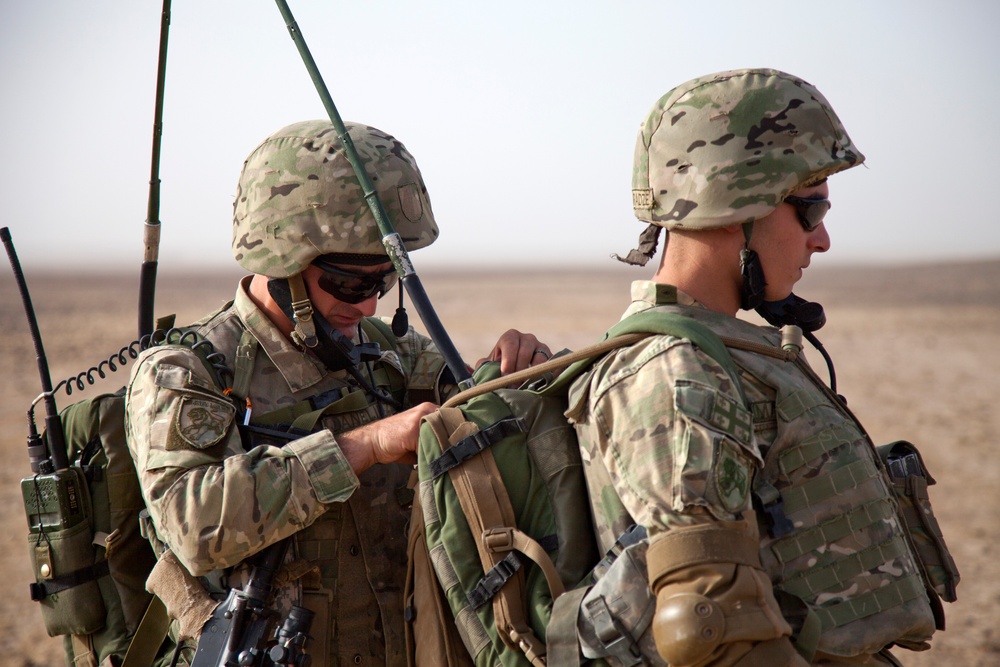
(522, 115)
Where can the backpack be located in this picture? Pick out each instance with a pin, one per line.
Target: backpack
(501, 525)
(89, 554)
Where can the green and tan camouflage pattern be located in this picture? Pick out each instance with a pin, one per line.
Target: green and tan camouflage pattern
(215, 504)
(298, 198)
(847, 555)
(729, 147)
(635, 411)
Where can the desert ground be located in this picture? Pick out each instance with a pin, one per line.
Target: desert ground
(917, 353)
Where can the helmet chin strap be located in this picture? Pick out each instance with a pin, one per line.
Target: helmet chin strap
(331, 346)
(297, 307)
(752, 272)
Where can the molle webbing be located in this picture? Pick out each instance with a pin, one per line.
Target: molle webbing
(829, 532)
(828, 486)
(841, 549)
(305, 414)
(894, 594)
(819, 444)
(829, 578)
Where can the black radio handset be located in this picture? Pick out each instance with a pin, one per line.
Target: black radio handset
(794, 310)
(806, 315)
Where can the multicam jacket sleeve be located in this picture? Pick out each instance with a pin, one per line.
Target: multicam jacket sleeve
(665, 439)
(199, 483)
(667, 443)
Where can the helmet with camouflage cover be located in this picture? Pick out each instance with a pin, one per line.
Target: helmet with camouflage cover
(729, 147)
(298, 198)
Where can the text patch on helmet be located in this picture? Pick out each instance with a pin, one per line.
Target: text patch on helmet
(200, 423)
(642, 199)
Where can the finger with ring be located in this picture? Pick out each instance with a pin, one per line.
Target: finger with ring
(543, 353)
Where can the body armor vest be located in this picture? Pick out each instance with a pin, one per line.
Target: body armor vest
(832, 540)
(345, 567)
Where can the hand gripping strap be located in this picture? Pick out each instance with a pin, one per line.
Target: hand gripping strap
(488, 510)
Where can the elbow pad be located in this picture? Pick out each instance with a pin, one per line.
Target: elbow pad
(687, 627)
(710, 591)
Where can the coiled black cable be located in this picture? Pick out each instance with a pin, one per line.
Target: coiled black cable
(189, 338)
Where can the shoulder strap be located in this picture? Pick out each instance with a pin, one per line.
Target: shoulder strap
(627, 332)
(486, 505)
(680, 326)
(379, 332)
(246, 353)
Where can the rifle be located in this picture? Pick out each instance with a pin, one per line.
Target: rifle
(241, 627)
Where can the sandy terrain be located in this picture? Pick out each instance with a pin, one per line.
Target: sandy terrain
(917, 352)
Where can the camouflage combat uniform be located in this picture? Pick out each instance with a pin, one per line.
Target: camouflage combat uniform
(668, 441)
(214, 503)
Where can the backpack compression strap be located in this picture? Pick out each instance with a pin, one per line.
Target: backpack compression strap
(488, 509)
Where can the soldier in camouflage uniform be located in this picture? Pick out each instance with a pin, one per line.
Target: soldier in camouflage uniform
(218, 494)
(773, 534)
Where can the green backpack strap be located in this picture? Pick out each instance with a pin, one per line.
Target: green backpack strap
(680, 326)
(648, 323)
(627, 332)
(379, 332)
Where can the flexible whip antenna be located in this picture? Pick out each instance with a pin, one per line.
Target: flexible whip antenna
(390, 238)
(151, 231)
(53, 426)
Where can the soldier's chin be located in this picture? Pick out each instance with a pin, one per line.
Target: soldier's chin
(350, 330)
(780, 294)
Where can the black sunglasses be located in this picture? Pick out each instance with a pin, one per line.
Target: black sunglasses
(810, 211)
(355, 287)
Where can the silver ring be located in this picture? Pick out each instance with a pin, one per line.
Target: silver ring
(543, 353)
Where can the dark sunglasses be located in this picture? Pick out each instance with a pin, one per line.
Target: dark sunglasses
(810, 211)
(355, 287)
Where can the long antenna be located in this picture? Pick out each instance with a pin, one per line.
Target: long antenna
(151, 232)
(53, 426)
(390, 239)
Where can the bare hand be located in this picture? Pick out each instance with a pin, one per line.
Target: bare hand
(516, 351)
(390, 440)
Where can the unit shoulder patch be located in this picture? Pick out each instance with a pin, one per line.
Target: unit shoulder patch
(732, 475)
(201, 422)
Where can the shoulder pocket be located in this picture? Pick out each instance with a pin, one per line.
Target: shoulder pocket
(714, 410)
(198, 415)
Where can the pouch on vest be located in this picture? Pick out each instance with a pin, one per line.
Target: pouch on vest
(910, 481)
